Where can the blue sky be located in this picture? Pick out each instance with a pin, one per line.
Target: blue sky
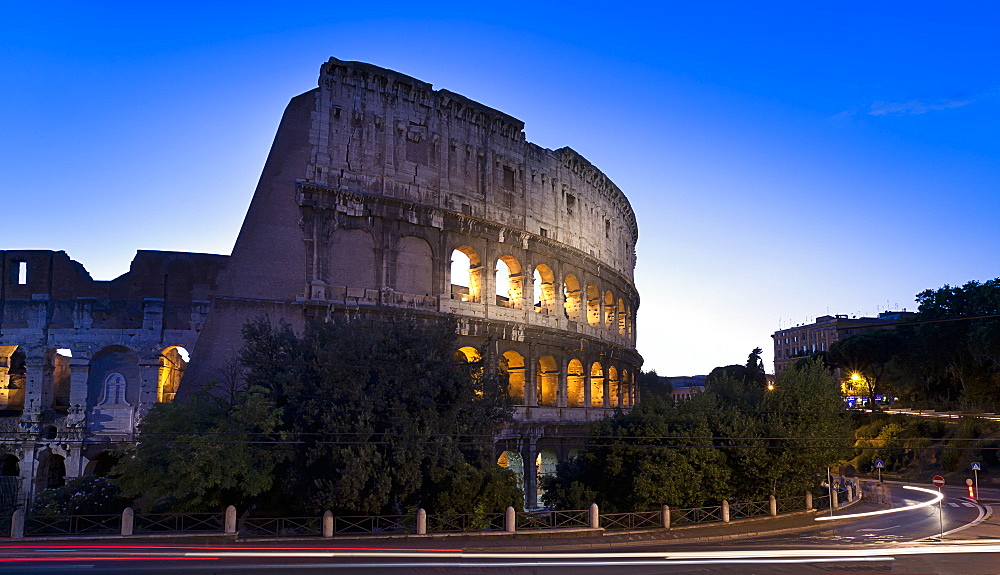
(784, 160)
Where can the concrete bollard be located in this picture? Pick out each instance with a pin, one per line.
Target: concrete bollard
(772, 504)
(17, 524)
(327, 524)
(665, 516)
(230, 520)
(725, 512)
(510, 520)
(128, 521)
(421, 521)
(833, 500)
(595, 517)
(809, 501)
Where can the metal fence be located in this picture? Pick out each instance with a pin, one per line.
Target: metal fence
(548, 519)
(628, 521)
(73, 525)
(157, 523)
(465, 522)
(361, 524)
(695, 515)
(280, 526)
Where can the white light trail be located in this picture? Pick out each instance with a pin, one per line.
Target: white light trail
(937, 497)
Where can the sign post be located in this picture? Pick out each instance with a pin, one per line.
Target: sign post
(880, 465)
(939, 483)
(975, 470)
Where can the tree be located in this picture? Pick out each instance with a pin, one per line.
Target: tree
(755, 376)
(385, 418)
(203, 453)
(867, 354)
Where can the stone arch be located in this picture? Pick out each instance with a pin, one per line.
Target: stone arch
(10, 465)
(614, 391)
(52, 471)
(513, 369)
(173, 362)
(627, 390)
(574, 384)
(513, 461)
(13, 377)
(59, 362)
(113, 387)
(596, 385)
(10, 481)
(414, 266)
(466, 274)
(101, 464)
(593, 305)
(544, 284)
(352, 259)
(470, 355)
(609, 310)
(510, 282)
(547, 381)
(546, 464)
(621, 317)
(571, 297)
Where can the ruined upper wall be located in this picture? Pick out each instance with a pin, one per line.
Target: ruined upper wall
(377, 131)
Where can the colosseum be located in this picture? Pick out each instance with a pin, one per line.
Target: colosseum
(382, 195)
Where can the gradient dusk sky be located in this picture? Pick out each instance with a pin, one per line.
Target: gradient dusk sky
(785, 160)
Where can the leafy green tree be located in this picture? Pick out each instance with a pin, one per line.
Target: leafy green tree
(203, 453)
(87, 495)
(868, 354)
(656, 454)
(755, 376)
(384, 416)
(651, 384)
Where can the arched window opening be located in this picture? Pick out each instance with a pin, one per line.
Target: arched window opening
(512, 460)
(571, 297)
(510, 283)
(466, 274)
(621, 317)
(547, 380)
(173, 362)
(101, 465)
(13, 376)
(414, 266)
(596, 385)
(629, 320)
(613, 388)
(545, 290)
(574, 384)
(512, 368)
(9, 465)
(627, 390)
(593, 305)
(609, 310)
(546, 464)
(53, 474)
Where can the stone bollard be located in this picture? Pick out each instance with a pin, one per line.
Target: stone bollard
(230, 520)
(510, 520)
(725, 512)
(833, 500)
(327, 524)
(128, 521)
(809, 501)
(17, 524)
(665, 516)
(421, 521)
(595, 517)
(772, 504)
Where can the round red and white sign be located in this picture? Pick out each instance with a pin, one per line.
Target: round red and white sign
(938, 480)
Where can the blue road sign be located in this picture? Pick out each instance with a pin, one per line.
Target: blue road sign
(880, 465)
(975, 466)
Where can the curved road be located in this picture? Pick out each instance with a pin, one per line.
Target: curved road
(876, 543)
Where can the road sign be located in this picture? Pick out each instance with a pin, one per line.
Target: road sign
(976, 467)
(879, 464)
(938, 481)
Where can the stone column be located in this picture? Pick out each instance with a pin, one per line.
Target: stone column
(562, 393)
(528, 456)
(34, 384)
(530, 379)
(149, 384)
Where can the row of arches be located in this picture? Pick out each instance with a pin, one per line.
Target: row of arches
(582, 303)
(106, 374)
(595, 385)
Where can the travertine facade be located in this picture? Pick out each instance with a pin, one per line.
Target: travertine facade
(81, 361)
(375, 186)
(376, 183)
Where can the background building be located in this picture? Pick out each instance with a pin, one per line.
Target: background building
(795, 343)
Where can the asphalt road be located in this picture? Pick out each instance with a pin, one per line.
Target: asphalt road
(901, 542)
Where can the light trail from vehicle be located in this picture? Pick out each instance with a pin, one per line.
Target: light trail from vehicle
(937, 497)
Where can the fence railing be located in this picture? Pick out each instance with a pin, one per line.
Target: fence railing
(130, 523)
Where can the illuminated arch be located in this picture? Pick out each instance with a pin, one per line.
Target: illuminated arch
(609, 310)
(512, 460)
(574, 384)
(545, 289)
(466, 274)
(571, 297)
(510, 282)
(547, 381)
(13, 377)
(596, 385)
(613, 388)
(621, 317)
(593, 305)
(512, 367)
(173, 362)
